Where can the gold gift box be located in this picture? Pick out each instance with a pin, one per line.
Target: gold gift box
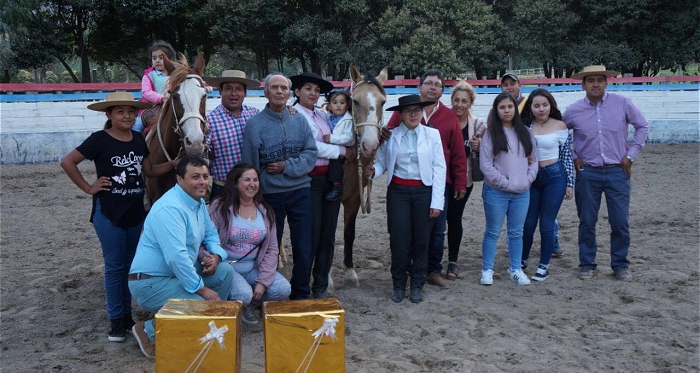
(289, 340)
(185, 338)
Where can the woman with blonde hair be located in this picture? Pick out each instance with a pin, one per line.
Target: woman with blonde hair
(473, 127)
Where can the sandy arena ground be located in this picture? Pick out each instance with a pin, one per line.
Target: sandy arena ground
(53, 315)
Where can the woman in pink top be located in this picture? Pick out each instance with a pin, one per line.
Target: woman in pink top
(509, 164)
(247, 230)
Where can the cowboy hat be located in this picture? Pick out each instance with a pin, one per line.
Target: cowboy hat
(233, 76)
(117, 99)
(408, 101)
(306, 77)
(595, 70)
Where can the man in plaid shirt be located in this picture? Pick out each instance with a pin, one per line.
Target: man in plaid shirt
(226, 124)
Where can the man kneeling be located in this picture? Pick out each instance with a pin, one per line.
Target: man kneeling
(166, 264)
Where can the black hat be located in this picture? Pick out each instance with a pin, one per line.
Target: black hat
(299, 80)
(408, 101)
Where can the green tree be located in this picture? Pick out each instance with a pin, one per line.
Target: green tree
(545, 27)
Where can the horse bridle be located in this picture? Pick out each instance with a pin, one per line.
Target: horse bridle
(365, 204)
(186, 115)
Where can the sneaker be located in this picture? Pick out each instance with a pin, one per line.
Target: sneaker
(128, 323)
(586, 273)
(523, 264)
(541, 274)
(147, 347)
(249, 315)
(335, 193)
(116, 332)
(519, 277)
(558, 252)
(622, 274)
(487, 277)
(437, 280)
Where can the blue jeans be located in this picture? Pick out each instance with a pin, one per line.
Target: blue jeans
(591, 183)
(153, 293)
(243, 283)
(437, 236)
(118, 249)
(497, 206)
(546, 195)
(295, 205)
(324, 216)
(138, 125)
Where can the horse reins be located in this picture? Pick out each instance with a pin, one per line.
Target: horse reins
(187, 115)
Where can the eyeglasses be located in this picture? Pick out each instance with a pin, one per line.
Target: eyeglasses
(433, 84)
(412, 112)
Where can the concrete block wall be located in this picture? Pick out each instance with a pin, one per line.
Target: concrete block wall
(36, 132)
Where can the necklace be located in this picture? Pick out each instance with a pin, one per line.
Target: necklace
(542, 124)
(251, 216)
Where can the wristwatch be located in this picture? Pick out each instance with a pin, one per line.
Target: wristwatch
(631, 158)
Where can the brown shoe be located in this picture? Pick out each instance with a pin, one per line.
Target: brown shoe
(437, 280)
(147, 347)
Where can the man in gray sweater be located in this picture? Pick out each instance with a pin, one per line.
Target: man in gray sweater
(282, 148)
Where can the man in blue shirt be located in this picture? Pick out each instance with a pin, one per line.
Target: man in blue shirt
(167, 264)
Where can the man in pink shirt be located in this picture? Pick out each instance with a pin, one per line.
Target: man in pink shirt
(603, 159)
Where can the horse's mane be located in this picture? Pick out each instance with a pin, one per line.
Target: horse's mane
(180, 74)
(369, 78)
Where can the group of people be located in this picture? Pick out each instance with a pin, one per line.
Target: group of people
(282, 163)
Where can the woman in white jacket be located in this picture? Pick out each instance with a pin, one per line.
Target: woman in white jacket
(415, 165)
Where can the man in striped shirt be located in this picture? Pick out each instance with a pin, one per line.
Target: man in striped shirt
(226, 124)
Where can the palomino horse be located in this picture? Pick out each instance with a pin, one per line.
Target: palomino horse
(368, 98)
(182, 124)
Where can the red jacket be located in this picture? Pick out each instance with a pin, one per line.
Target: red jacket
(447, 123)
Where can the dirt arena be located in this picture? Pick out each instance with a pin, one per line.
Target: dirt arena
(53, 316)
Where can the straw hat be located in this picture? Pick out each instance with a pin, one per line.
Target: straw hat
(233, 76)
(117, 99)
(408, 101)
(595, 70)
(299, 80)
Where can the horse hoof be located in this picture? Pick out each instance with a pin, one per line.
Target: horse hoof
(351, 277)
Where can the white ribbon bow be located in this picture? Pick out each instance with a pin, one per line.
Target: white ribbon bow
(327, 329)
(215, 334)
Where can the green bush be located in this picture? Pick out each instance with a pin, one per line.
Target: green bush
(23, 76)
(51, 77)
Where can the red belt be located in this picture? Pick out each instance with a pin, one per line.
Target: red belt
(406, 182)
(318, 170)
(139, 276)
